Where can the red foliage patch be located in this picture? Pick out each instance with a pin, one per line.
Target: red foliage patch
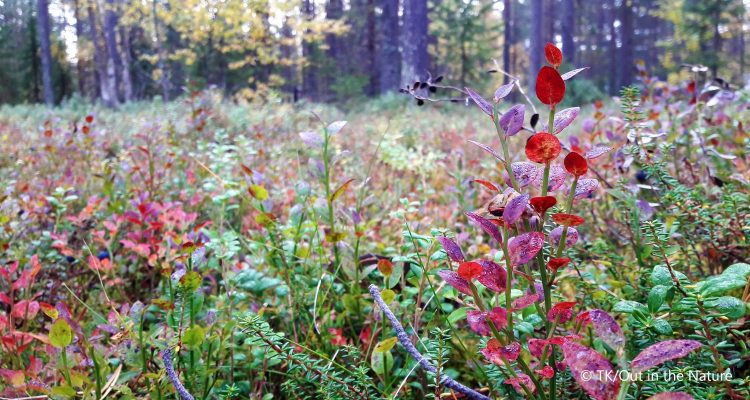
(567, 219)
(575, 164)
(550, 86)
(469, 270)
(543, 148)
(553, 55)
(541, 204)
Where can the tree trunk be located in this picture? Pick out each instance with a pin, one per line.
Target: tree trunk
(612, 51)
(415, 59)
(163, 79)
(309, 71)
(114, 61)
(568, 31)
(390, 57)
(105, 75)
(626, 50)
(507, 39)
(80, 63)
(336, 51)
(127, 62)
(43, 29)
(537, 44)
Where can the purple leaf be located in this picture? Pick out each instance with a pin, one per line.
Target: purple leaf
(525, 301)
(478, 322)
(565, 118)
(647, 211)
(586, 188)
(503, 91)
(573, 73)
(311, 139)
(525, 172)
(493, 276)
(523, 248)
(671, 396)
(663, 351)
(557, 175)
(480, 101)
(451, 249)
(570, 240)
(515, 208)
(591, 370)
(487, 149)
(456, 281)
(607, 329)
(486, 225)
(597, 151)
(512, 121)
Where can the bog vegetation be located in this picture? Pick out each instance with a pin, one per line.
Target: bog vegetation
(203, 249)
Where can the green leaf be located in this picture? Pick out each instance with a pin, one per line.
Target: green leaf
(381, 362)
(661, 276)
(191, 281)
(629, 306)
(656, 297)
(729, 306)
(662, 326)
(457, 315)
(193, 337)
(65, 391)
(60, 334)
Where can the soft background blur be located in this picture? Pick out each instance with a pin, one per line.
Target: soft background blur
(118, 51)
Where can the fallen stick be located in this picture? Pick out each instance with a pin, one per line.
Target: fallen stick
(424, 362)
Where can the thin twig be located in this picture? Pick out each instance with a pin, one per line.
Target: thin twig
(424, 362)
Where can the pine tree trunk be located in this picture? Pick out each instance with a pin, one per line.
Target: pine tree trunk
(568, 31)
(390, 57)
(537, 45)
(507, 39)
(415, 59)
(114, 61)
(627, 62)
(43, 29)
(105, 74)
(309, 71)
(127, 62)
(80, 63)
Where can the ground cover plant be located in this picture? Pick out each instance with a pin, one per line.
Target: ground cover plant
(213, 250)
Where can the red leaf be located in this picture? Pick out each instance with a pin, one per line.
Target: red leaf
(478, 320)
(567, 219)
(553, 55)
(541, 204)
(487, 184)
(592, 371)
(547, 372)
(561, 312)
(607, 329)
(662, 352)
(543, 147)
(469, 270)
(89, 118)
(556, 263)
(25, 309)
(451, 249)
(550, 87)
(575, 164)
(525, 301)
(520, 382)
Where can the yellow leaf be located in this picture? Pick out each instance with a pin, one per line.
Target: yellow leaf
(385, 345)
(388, 295)
(259, 192)
(341, 190)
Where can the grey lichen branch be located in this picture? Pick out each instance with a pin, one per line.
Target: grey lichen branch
(424, 362)
(166, 355)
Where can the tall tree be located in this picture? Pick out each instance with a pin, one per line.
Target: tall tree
(114, 61)
(105, 72)
(389, 58)
(43, 29)
(568, 30)
(415, 58)
(309, 72)
(536, 40)
(507, 38)
(626, 58)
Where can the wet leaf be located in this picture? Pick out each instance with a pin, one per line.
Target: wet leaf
(451, 249)
(453, 279)
(607, 329)
(573, 73)
(483, 104)
(661, 352)
(543, 148)
(575, 164)
(487, 149)
(486, 225)
(493, 276)
(590, 370)
(564, 118)
(550, 87)
(524, 247)
(385, 345)
(503, 91)
(512, 121)
(515, 208)
(60, 334)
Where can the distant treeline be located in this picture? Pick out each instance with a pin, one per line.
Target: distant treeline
(117, 51)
